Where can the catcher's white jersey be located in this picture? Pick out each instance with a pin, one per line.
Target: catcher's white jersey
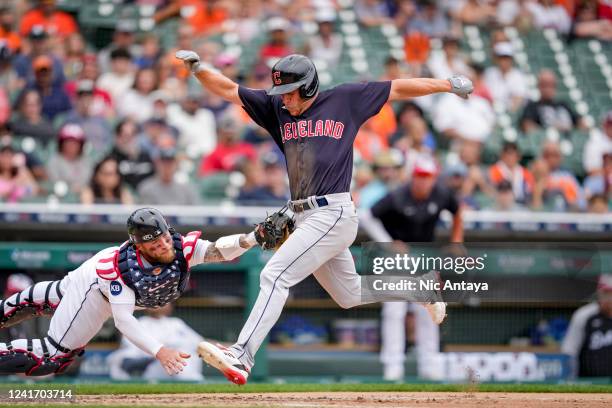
(85, 305)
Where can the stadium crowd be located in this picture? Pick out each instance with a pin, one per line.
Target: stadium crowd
(125, 123)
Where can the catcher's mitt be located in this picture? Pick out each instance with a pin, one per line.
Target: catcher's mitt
(274, 230)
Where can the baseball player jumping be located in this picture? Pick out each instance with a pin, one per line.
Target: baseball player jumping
(150, 270)
(315, 130)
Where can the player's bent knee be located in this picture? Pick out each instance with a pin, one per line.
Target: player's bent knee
(348, 303)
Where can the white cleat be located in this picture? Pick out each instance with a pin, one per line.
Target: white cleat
(437, 311)
(224, 360)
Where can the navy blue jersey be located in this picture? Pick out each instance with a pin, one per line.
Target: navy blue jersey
(318, 144)
(410, 220)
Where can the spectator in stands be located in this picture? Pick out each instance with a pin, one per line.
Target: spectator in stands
(600, 142)
(593, 21)
(9, 80)
(8, 35)
(388, 169)
(205, 16)
(508, 169)
(429, 20)
(228, 65)
(137, 102)
(555, 188)
(587, 338)
(151, 52)
(504, 198)
(455, 179)
(164, 188)
(475, 12)
(120, 78)
(549, 111)
(32, 160)
(272, 185)
(106, 185)
(29, 120)
(38, 46)
(102, 103)
(600, 183)
(135, 164)
(69, 164)
(476, 180)
(74, 50)
(229, 150)
(196, 125)
(548, 14)
(156, 134)
(169, 79)
(326, 45)
(278, 41)
(480, 87)
(450, 61)
(507, 83)
(372, 13)
(598, 204)
(54, 99)
(55, 22)
(401, 139)
(97, 128)
(123, 38)
(16, 181)
(461, 120)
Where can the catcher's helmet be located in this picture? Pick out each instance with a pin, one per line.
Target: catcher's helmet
(295, 72)
(146, 224)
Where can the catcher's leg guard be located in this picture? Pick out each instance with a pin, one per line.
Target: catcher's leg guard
(37, 358)
(39, 299)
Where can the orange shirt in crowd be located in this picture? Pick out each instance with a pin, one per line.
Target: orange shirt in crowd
(12, 39)
(384, 123)
(201, 16)
(58, 23)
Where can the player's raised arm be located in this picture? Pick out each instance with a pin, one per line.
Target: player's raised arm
(410, 88)
(209, 77)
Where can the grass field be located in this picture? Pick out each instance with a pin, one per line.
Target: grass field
(322, 395)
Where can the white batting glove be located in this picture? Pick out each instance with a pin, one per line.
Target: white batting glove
(461, 86)
(191, 60)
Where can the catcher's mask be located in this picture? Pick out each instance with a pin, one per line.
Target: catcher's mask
(146, 224)
(295, 72)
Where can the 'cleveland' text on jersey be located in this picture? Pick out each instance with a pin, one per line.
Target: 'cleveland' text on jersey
(318, 144)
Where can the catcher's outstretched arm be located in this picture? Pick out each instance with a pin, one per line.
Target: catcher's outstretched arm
(229, 247)
(209, 77)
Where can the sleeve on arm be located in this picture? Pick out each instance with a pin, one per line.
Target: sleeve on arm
(572, 342)
(132, 329)
(366, 99)
(258, 104)
(199, 251)
(117, 292)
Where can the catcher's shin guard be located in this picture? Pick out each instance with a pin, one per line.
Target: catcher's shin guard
(39, 299)
(35, 357)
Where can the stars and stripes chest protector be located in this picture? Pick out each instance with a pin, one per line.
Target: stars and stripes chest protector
(157, 285)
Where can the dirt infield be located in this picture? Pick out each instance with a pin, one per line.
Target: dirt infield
(357, 400)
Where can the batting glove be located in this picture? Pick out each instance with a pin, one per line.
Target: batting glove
(190, 59)
(461, 86)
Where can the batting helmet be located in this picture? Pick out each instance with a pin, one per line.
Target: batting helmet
(295, 72)
(146, 224)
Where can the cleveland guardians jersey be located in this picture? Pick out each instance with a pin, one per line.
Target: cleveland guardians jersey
(318, 144)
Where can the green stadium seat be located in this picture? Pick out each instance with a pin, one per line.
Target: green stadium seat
(213, 188)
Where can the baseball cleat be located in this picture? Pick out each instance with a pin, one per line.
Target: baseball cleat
(437, 311)
(224, 360)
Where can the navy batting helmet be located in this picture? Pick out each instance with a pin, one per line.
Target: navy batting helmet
(146, 224)
(295, 72)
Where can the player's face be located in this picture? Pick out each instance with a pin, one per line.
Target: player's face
(422, 186)
(604, 298)
(293, 102)
(160, 250)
